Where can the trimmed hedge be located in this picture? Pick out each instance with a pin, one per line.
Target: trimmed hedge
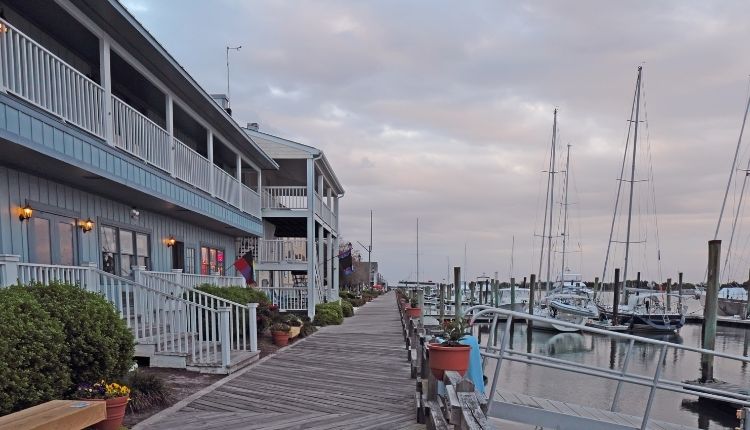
(347, 308)
(33, 354)
(99, 343)
(328, 314)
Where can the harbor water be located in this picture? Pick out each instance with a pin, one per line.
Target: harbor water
(606, 352)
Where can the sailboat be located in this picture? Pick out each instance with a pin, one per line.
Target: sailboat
(562, 305)
(642, 310)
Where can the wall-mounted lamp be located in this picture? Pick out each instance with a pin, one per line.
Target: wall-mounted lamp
(86, 226)
(3, 28)
(134, 214)
(25, 213)
(170, 241)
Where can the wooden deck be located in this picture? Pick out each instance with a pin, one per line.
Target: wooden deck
(352, 376)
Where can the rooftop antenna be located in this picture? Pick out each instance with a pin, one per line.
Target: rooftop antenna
(234, 48)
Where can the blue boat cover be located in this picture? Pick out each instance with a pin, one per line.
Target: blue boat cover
(475, 364)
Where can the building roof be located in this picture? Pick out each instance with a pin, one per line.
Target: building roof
(114, 18)
(280, 148)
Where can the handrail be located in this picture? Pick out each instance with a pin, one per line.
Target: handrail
(505, 352)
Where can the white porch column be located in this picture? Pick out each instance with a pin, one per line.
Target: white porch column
(331, 293)
(105, 77)
(335, 209)
(239, 180)
(311, 299)
(321, 255)
(169, 117)
(210, 153)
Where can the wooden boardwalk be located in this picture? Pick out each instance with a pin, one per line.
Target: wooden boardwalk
(352, 376)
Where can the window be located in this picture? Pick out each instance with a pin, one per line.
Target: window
(189, 260)
(122, 249)
(212, 260)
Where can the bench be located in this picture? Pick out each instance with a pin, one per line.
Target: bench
(56, 414)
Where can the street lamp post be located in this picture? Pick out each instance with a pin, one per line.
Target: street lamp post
(370, 275)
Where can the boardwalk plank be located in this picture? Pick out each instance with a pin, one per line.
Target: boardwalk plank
(352, 376)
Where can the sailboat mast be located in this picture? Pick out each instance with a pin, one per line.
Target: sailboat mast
(565, 216)
(632, 177)
(551, 202)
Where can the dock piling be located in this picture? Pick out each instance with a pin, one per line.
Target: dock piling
(710, 310)
(669, 292)
(679, 289)
(441, 303)
(512, 294)
(747, 306)
(457, 291)
(530, 323)
(596, 287)
(616, 299)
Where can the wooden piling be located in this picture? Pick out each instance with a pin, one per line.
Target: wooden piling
(495, 293)
(747, 305)
(596, 287)
(616, 299)
(530, 323)
(669, 292)
(513, 294)
(420, 303)
(710, 310)
(472, 287)
(679, 289)
(441, 303)
(457, 292)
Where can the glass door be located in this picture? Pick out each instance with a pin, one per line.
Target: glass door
(52, 239)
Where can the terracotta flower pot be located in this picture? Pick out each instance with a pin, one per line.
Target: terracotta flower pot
(115, 414)
(444, 358)
(280, 338)
(413, 312)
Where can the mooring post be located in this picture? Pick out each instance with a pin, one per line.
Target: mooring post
(495, 292)
(709, 310)
(513, 294)
(616, 299)
(669, 294)
(472, 287)
(747, 306)
(441, 303)
(457, 292)
(420, 303)
(530, 323)
(679, 290)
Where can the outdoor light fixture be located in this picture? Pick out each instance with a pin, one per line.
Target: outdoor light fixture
(3, 28)
(171, 241)
(25, 213)
(86, 226)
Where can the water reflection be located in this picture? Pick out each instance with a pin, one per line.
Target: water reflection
(605, 352)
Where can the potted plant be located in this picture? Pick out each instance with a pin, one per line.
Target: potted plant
(413, 310)
(280, 333)
(450, 354)
(116, 397)
(295, 325)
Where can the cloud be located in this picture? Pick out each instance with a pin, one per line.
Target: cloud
(443, 111)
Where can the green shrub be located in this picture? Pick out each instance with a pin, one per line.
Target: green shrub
(356, 302)
(328, 314)
(147, 391)
(308, 327)
(33, 356)
(347, 308)
(347, 295)
(266, 313)
(99, 343)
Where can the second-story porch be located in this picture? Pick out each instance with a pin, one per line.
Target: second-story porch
(128, 95)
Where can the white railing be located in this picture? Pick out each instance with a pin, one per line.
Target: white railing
(287, 298)
(291, 250)
(226, 186)
(3, 275)
(134, 133)
(285, 197)
(504, 351)
(36, 75)
(250, 201)
(242, 329)
(46, 273)
(191, 280)
(191, 167)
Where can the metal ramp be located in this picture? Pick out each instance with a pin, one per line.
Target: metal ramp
(554, 414)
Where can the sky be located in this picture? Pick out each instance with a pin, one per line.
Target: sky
(442, 111)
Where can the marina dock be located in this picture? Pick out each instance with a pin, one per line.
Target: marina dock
(352, 376)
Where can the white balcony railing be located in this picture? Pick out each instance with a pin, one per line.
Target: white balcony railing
(191, 167)
(290, 250)
(293, 197)
(135, 133)
(36, 75)
(250, 201)
(226, 187)
(192, 280)
(31, 72)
